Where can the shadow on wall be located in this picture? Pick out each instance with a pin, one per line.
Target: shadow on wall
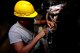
(5, 47)
(6, 21)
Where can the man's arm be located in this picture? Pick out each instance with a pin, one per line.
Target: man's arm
(39, 21)
(20, 48)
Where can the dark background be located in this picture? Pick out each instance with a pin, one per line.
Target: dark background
(68, 31)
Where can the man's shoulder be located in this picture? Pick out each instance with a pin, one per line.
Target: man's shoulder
(15, 27)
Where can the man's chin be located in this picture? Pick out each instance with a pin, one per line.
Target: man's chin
(30, 28)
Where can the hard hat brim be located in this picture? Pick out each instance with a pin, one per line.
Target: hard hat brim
(32, 15)
(25, 16)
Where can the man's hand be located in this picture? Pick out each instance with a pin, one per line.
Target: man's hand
(50, 23)
(42, 33)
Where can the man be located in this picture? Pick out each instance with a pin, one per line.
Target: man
(21, 34)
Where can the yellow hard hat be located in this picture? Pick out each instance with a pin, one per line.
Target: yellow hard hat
(24, 9)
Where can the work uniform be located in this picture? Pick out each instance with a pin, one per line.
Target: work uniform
(19, 33)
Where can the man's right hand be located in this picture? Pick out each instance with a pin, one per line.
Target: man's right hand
(42, 33)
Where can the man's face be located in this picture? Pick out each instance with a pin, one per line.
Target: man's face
(28, 24)
(27, 21)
